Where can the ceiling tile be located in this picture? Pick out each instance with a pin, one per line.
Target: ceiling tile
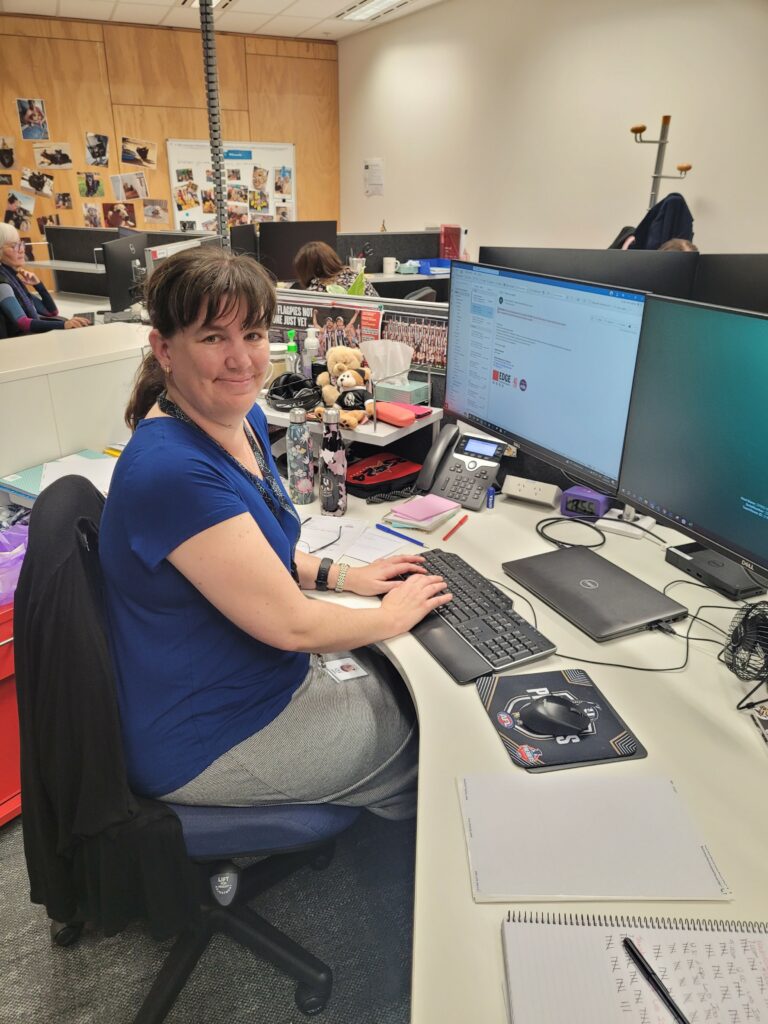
(93, 10)
(259, 6)
(333, 28)
(186, 17)
(138, 14)
(165, 4)
(285, 26)
(315, 8)
(30, 6)
(233, 21)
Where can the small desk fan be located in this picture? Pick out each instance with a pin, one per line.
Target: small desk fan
(746, 649)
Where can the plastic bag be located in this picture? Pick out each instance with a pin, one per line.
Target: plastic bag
(13, 547)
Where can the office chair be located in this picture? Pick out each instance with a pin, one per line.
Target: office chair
(96, 852)
(425, 294)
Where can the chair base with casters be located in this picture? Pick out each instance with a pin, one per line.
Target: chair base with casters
(287, 837)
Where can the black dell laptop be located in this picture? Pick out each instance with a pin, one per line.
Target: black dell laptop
(594, 594)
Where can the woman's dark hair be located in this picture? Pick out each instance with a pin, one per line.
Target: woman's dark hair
(316, 259)
(205, 281)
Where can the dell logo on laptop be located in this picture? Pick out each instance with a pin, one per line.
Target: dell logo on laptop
(589, 584)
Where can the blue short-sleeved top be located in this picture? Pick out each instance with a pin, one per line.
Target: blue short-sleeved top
(191, 684)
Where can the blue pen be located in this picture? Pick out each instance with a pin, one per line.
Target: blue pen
(402, 536)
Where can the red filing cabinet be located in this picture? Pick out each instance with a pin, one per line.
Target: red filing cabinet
(10, 784)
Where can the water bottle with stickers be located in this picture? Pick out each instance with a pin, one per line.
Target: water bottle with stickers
(301, 468)
(333, 467)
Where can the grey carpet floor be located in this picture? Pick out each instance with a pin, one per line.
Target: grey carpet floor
(356, 915)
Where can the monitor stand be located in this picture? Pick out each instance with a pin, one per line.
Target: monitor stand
(627, 522)
(722, 574)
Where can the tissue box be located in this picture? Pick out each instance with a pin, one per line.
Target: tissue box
(413, 392)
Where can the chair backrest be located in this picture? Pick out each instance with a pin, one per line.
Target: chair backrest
(89, 842)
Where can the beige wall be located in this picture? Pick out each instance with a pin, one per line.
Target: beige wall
(512, 117)
(148, 83)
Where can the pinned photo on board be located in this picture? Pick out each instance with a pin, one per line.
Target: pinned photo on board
(36, 181)
(119, 215)
(89, 184)
(7, 154)
(208, 200)
(258, 200)
(283, 213)
(189, 225)
(237, 193)
(133, 186)
(63, 200)
(32, 119)
(53, 154)
(92, 215)
(49, 218)
(186, 197)
(233, 174)
(96, 149)
(18, 211)
(6, 179)
(284, 181)
(261, 218)
(210, 225)
(237, 213)
(156, 211)
(139, 151)
(260, 177)
(184, 174)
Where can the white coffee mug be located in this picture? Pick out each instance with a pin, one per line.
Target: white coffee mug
(390, 264)
(356, 264)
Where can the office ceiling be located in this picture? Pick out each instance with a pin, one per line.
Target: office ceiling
(299, 19)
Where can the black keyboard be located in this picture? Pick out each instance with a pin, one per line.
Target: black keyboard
(478, 632)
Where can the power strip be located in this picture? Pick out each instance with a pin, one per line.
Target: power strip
(613, 523)
(535, 491)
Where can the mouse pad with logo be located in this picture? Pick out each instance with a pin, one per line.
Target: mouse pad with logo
(605, 739)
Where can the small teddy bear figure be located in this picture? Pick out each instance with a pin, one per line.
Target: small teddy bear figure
(339, 358)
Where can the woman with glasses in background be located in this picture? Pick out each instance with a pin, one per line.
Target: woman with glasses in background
(23, 311)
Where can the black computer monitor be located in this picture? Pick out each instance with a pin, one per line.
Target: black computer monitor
(277, 243)
(544, 363)
(121, 257)
(737, 280)
(697, 433)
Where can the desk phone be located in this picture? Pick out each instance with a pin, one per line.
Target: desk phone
(461, 467)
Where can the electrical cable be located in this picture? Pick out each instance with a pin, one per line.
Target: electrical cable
(542, 525)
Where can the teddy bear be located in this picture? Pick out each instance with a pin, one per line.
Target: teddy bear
(344, 385)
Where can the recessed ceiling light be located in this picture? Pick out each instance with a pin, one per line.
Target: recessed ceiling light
(370, 9)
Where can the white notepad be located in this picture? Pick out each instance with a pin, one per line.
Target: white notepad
(573, 968)
(574, 838)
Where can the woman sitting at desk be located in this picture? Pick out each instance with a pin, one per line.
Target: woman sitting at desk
(224, 697)
(23, 312)
(317, 266)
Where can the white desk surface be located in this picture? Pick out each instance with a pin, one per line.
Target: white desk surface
(381, 278)
(31, 355)
(686, 719)
(384, 433)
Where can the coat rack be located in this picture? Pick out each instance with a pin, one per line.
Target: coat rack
(637, 130)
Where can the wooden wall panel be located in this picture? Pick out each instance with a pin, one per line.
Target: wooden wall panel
(50, 28)
(296, 100)
(161, 67)
(71, 77)
(274, 47)
(162, 123)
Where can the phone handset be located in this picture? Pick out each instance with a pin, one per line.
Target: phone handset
(436, 458)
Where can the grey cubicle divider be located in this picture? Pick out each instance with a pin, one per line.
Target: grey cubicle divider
(665, 273)
(78, 244)
(739, 280)
(403, 245)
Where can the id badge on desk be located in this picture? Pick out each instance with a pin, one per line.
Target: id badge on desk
(345, 668)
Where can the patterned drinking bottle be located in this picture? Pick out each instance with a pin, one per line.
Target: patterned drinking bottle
(301, 468)
(333, 467)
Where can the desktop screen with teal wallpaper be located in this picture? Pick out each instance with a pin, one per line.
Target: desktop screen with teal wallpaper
(696, 448)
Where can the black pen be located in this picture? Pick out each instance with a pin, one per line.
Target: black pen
(654, 981)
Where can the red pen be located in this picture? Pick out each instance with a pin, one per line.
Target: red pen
(453, 529)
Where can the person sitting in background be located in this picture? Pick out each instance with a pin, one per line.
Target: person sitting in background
(224, 697)
(678, 245)
(23, 312)
(317, 266)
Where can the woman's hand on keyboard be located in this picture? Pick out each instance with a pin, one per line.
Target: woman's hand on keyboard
(412, 599)
(382, 575)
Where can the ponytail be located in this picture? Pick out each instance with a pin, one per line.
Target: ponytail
(149, 383)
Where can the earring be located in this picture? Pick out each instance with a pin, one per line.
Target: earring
(167, 370)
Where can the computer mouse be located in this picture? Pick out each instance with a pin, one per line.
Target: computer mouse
(554, 715)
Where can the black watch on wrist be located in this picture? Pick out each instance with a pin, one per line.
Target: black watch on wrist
(321, 580)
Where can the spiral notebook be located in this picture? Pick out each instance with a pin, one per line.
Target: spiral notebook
(573, 967)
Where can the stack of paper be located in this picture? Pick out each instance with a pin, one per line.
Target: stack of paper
(422, 513)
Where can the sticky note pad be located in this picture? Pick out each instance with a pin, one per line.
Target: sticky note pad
(425, 507)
